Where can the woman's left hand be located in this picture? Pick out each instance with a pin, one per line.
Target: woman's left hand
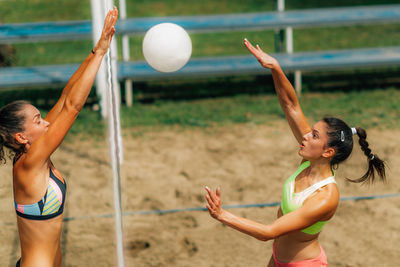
(107, 32)
(265, 60)
(214, 203)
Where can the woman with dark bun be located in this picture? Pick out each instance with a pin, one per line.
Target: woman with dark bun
(310, 195)
(39, 188)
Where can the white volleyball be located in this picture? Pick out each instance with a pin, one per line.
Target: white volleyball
(167, 47)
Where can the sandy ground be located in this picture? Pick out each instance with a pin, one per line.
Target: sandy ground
(168, 169)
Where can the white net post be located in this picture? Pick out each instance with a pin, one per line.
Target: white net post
(101, 78)
(110, 104)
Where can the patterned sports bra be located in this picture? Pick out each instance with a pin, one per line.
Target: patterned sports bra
(50, 206)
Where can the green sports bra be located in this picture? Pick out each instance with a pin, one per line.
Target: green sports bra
(292, 201)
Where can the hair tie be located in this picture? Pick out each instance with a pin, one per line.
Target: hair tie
(342, 136)
(371, 157)
(353, 130)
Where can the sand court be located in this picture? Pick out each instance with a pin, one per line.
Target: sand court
(168, 167)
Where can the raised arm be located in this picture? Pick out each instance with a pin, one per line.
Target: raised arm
(320, 207)
(286, 94)
(54, 112)
(75, 96)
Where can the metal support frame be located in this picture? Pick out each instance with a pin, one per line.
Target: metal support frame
(126, 55)
(289, 48)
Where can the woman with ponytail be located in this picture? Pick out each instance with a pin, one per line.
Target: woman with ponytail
(310, 195)
(344, 148)
(39, 188)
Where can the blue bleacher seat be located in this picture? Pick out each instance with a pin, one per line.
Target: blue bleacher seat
(210, 66)
(66, 30)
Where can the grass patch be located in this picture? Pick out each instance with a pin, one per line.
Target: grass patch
(362, 36)
(375, 108)
(52, 53)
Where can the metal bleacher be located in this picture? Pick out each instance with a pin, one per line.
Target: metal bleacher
(211, 66)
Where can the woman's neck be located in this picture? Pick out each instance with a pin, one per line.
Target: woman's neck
(319, 170)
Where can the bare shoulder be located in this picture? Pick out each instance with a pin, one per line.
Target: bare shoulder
(324, 201)
(327, 195)
(27, 177)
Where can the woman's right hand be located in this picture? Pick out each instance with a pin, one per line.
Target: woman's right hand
(214, 203)
(108, 32)
(265, 60)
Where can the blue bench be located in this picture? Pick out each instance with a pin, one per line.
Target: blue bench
(67, 30)
(211, 66)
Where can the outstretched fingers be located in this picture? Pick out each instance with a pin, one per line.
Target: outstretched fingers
(255, 50)
(250, 47)
(110, 21)
(108, 31)
(213, 202)
(114, 16)
(214, 197)
(265, 60)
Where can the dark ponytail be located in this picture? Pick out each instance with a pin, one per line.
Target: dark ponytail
(11, 122)
(340, 137)
(374, 162)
